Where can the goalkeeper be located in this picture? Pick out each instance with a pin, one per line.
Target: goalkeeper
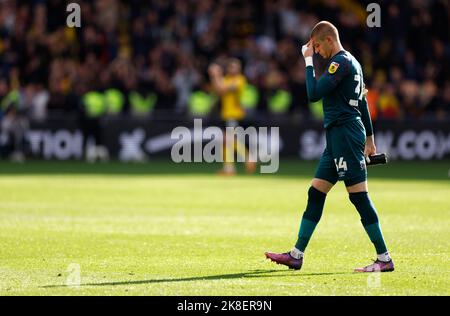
(349, 141)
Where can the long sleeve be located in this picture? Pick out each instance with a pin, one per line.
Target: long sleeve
(365, 116)
(317, 89)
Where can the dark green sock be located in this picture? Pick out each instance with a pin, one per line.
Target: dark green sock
(307, 228)
(311, 217)
(369, 219)
(376, 236)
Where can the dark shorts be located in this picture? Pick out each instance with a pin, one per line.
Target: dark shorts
(343, 158)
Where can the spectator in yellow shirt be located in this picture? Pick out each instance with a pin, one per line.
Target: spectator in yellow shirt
(230, 88)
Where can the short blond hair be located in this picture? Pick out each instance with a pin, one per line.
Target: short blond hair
(323, 29)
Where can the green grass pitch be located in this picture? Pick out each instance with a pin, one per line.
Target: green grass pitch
(166, 229)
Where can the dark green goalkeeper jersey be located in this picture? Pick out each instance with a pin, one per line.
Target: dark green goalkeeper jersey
(341, 87)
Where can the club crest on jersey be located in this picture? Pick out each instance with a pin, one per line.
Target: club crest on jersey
(333, 67)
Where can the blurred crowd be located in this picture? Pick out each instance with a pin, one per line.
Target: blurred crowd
(153, 55)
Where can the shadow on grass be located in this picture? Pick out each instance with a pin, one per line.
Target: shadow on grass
(243, 275)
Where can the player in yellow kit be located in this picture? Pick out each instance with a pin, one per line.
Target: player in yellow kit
(230, 88)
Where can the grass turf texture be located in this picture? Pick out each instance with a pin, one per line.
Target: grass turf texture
(165, 229)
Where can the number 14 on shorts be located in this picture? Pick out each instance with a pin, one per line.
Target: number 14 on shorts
(341, 164)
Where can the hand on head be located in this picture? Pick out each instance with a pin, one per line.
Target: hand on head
(308, 49)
